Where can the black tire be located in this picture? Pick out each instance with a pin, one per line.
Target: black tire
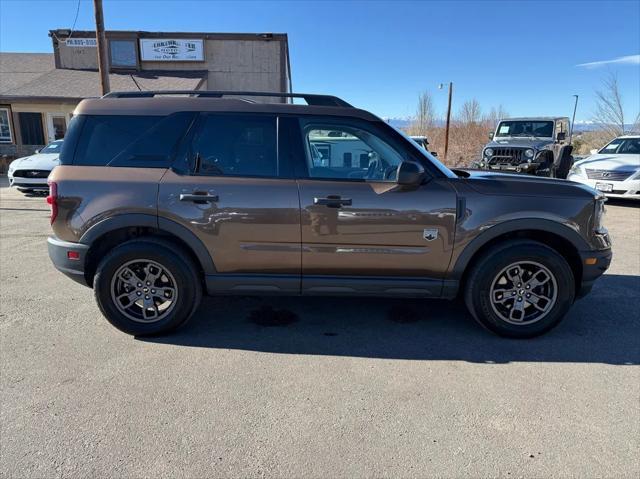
(479, 282)
(166, 254)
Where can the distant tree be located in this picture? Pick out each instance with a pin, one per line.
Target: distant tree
(425, 115)
(495, 115)
(609, 114)
(470, 113)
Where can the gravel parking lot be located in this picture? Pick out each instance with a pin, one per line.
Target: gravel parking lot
(353, 387)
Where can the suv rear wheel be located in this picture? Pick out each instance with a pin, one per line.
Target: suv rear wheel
(520, 289)
(146, 287)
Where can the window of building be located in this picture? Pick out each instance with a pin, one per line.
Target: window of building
(123, 53)
(31, 130)
(236, 145)
(5, 126)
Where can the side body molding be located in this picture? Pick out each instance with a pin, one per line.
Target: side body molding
(151, 221)
(513, 226)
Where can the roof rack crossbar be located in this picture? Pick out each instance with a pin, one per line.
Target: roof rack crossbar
(311, 99)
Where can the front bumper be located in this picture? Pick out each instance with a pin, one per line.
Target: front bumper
(594, 264)
(514, 168)
(28, 183)
(628, 189)
(59, 254)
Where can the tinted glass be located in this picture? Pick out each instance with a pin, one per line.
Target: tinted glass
(71, 139)
(344, 151)
(122, 140)
(236, 145)
(155, 148)
(104, 136)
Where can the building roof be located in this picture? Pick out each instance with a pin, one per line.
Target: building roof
(34, 76)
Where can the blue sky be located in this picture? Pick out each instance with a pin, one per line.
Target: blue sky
(380, 55)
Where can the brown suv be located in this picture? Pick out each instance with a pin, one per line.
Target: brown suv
(160, 196)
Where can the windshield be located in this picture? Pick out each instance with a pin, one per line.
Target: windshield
(53, 147)
(623, 146)
(446, 171)
(525, 128)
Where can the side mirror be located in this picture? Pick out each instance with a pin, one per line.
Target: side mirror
(434, 153)
(491, 135)
(37, 151)
(561, 136)
(410, 173)
(594, 151)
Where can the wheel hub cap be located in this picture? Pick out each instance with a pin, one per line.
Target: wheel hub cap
(144, 291)
(523, 293)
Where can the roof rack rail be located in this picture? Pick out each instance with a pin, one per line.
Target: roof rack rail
(311, 99)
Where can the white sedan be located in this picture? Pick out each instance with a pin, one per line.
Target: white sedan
(30, 173)
(614, 170)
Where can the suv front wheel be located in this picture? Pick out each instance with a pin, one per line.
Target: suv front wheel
(520, 289)
(146, 287)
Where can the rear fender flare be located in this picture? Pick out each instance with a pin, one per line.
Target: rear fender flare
(162, 225)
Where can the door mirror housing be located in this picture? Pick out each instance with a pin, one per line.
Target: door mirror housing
(594, 151)
(410, 173)
(37, 151)
(491, 135)
(561, 136)
(434, 153)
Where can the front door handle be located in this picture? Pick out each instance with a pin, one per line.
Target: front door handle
(332, 201)
(199, 197)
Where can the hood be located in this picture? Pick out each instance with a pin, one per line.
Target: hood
(610, 162)
(40, 161)
(521, 142)
(495, 183)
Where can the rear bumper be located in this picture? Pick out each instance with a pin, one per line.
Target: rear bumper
(59, 255)
(591, 272)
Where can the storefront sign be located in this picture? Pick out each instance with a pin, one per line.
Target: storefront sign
(171, 50)
(81, 42)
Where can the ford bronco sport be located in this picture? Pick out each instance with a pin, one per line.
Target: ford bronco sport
(537, 146)
(160, 196)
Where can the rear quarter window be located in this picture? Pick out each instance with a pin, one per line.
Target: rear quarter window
(130, 141)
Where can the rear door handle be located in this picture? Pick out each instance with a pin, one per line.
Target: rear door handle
(199, 197)
(332, 201)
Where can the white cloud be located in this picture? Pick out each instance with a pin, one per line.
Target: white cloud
(626, 60)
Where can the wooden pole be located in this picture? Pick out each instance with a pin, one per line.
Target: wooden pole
(101, 40)
(446, 131)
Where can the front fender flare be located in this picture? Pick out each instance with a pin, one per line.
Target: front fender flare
(513, 226)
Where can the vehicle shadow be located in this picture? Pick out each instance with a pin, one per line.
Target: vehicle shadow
(601, 328)
(623, 202)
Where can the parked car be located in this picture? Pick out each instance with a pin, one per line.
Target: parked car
(159, 198)
(30, 173)
(536, 145)
(421, 140)
(614, 169)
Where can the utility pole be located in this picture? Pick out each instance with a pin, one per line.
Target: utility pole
(446, 130)
(575, 107)
(101, 40)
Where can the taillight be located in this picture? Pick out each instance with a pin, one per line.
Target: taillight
(52, 199)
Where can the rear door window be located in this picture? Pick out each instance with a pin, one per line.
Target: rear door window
(134, 141)
(235, 145)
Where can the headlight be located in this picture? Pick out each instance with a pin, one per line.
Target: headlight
(529, 153)
(488, 152)
(575, 170)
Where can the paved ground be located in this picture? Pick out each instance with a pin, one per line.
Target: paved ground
(342, 392)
